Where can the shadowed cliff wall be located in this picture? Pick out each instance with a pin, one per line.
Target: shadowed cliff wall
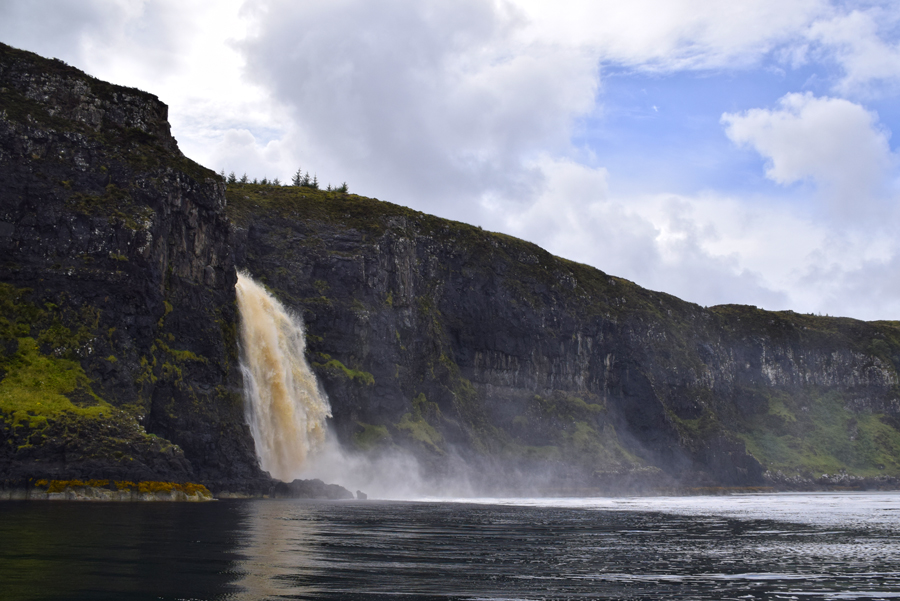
(464, 347)
(454, 342)
(117, 284)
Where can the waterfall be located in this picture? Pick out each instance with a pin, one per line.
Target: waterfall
(284, 407)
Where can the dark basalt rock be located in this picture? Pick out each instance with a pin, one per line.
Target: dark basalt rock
(486, 355)
(116, 256)
(310, 489)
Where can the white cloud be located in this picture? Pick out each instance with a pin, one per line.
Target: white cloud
(673, 34)
(663, 242)
(856, 42)
(181, 50)
(711, 249)
(239, 151)
(442, 104)
(830, 141)
(468, 109)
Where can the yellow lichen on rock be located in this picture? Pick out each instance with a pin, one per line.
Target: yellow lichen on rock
(116, 490)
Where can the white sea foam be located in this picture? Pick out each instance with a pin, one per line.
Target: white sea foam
(840, 509)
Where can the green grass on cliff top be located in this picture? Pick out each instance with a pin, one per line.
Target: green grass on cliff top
(877, 338)
(310, 209)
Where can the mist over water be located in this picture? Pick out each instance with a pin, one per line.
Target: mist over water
(390, 474)
(394, 475)
(285, 409)
(288, 412)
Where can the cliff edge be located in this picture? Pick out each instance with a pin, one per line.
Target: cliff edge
(118, 355)
(480, 354)
(475, 348)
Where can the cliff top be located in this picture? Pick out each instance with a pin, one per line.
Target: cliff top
(590, 288)
(41, 98)
(53, 95)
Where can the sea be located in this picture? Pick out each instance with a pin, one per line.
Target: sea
(836, 546)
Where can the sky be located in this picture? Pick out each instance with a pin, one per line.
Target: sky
(723, 152)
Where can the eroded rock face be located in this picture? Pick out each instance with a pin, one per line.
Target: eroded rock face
(482, 354)
(462, 344)
(115, 256)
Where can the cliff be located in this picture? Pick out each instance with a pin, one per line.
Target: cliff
(482, 355)
(117, 331)
(457, 343)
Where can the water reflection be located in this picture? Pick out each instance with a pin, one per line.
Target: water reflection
(481, 551)
(278, 549)
(86, 551)
(245, 550)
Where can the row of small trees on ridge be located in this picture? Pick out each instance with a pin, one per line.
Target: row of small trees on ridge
(299, 179)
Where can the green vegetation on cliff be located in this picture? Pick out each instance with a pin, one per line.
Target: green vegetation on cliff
(46, 398)
(117, 316)
(543, 361)
(817, 433)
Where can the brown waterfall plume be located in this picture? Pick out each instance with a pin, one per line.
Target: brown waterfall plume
(285, 409)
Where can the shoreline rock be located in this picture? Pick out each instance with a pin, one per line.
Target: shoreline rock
(126, 491)
(310, 489)
(105, 490)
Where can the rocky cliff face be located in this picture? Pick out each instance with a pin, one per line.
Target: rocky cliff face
(117, 331)
(118, 341)
(454, 342)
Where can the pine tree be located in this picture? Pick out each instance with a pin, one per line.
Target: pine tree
(305, 181)
(255, 181)
(276, 182)
(244, 179)
(264, 181)
(343, 188)
(315, 183)
(231, 178)
(297, 180)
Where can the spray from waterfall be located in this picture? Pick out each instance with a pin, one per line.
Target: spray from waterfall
(285, 409)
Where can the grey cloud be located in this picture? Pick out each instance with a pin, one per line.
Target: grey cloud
(91, 33)
(424, 102)
(53, 28)
(869, 291)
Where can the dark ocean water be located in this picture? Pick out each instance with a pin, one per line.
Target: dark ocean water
(748, 547)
